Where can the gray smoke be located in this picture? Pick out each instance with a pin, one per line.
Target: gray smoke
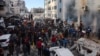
(91, 16)
(92, 19)
(71, 11)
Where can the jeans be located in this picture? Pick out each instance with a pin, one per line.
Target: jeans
(53, 43)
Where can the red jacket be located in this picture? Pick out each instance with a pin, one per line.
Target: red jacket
(53, 39)
(26, 40)
(39, 44)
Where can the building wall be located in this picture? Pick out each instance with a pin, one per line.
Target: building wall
(65, 5)
(26, 15)
(50, 11)
(46, 8)
(37, 13)
(18, 7)
(61, 9)
(78, 10)
(5, 8)
(13, 7)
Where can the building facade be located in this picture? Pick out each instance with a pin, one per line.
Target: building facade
(18, 7)
(37, 13)
(4, 7)
(51, 9)
(66, 9)
(12, 7)
(57, 9)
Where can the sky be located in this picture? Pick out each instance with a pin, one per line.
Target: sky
(34, 4)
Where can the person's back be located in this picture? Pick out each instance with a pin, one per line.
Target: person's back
(53, 39)
(39, 44)
(39, 47)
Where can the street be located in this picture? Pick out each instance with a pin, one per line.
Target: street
(27, 39)
(49, 28)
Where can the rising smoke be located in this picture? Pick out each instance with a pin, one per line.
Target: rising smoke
(70, 10)
(91, 17)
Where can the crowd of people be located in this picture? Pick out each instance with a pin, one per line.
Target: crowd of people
(43, 36)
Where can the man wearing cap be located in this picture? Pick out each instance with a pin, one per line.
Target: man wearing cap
(39, 46)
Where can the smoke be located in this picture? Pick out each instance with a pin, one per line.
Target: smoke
(91, 17)
(69, 2)
(70, 10)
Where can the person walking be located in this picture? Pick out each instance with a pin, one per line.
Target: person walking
(53, 40)
(39, 46)
(27, 44)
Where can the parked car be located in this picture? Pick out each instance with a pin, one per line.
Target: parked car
(4, 40)
(60, 51)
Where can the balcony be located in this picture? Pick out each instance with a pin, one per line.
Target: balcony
(2, 3)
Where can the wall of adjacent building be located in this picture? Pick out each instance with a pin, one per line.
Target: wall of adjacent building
(61, 9)
(18, 7)
(50, 11)
(6, 8)
(37, 13)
